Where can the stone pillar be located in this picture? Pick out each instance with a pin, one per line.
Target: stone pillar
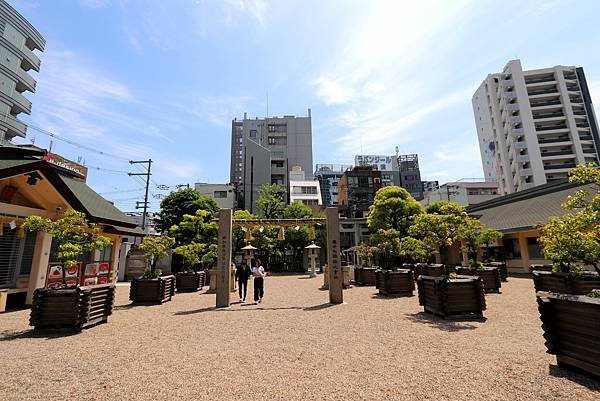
(325, 278)
(232, 280)
(39, 266)
(224, 259)
(334, 267)
(313, 266)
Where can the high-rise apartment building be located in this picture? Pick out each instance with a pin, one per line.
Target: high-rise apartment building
(534, 126)
(410, 175)
(18, 41)
(263, 151)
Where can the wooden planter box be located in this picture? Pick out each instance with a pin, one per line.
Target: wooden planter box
(394, 282)
(72, 308)
(565, 283)
(540, 268)
(501, 268)
(490, 277)
(461, 297)
(571, 325)
(365, 275)
(157, 290)
(189, 282)
(422, 269)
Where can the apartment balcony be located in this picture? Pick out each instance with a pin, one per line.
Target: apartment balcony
(542, 92)
(30, 61)
(530, 81)
(526, 172)
(546, 103)
(21, 104)
(520, 145)
(515, 119)
(517, 132)
(554, 153)
(551, 128)
(510, 95)
(580, 113)
(13, 126)
(559, 166)
(581, 125)
(560, 141)
(507, 82)
(512, 106)
(523, 159)
(541, 116)
(573, 88)
(589, 150)
(527, 185)
(26, 80)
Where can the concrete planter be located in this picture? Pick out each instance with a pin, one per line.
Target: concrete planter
(365, 275)
(461, 297)
(72, 308)
(157, 290)
(395, 282)
(189, 282)
(565, 283)
(571, 325)
(490, 276)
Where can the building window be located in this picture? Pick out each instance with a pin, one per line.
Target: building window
(512, 249)
(382, 167)
(534, 248)
(277, 140)
(276, 163)
(220, 194)
(252, 133)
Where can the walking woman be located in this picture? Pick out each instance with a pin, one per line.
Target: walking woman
(258, 272)
(242, 274)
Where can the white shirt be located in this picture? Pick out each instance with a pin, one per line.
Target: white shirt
(258, 271)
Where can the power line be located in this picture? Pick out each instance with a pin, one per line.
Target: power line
(121, 191)
(107, 170)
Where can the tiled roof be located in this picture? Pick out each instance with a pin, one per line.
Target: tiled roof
(524, 210)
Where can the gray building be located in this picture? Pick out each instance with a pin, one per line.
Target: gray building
(410, 175)
(223, 194)
(329, 177)
(388, 165)
(18, 41)
(263, 151)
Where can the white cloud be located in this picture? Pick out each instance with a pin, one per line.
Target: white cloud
(333, 92)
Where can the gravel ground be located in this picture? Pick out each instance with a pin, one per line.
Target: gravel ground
(292, 346)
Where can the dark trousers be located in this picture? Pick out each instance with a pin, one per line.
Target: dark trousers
(259, 290)
(243, 284)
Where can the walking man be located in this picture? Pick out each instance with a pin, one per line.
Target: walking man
(242, 274)
(258, 272)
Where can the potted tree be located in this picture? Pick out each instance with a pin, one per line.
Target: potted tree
(69, 305)
(473, 234)
(457, 296)
(365, 273)
(152, 287)
(190, 280)
(572, 242)
(571, 312)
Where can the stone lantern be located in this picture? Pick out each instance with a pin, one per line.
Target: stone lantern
(249, 254)
(313, 254)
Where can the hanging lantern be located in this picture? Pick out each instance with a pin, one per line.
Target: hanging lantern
(281, 235)
(248, 234)
(311, 233)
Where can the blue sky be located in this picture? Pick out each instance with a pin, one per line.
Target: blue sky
(164, 79)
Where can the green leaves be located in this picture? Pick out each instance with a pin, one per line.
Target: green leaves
(393, 208)
(271, 201)
(297, 210)
(179, 203)
(155, 248)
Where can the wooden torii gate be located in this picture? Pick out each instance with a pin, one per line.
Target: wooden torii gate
(225, 251)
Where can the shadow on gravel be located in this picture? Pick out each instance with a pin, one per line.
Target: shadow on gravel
(251, 307)
(444, 324)
(575, 377)
(16, 335)
(318, 307)
(393, 296)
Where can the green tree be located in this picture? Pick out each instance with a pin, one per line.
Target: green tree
(413, 249)
(155, 248)
(575, 237)
(179, 203)
(190, 253)
(386, 243)
(73, 232)
(271, 201)
(474, 233)
(197, 227)
(297, 210)
(239, 235)
(393, 208)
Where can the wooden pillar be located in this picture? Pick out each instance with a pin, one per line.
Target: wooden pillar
(525, 262)
(39, 265)
(114, 268)
(334, 267)
(224, 258)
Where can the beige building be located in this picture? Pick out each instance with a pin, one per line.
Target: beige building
(303, 190)
(18, 43)
(467, 191)
(534, 125)
(31, 185)
(223, 194)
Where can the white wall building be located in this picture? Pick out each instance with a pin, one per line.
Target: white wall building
(534, 126)
(303, 190)
(467, 191)
(223, 194)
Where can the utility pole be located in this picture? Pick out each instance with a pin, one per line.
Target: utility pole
(144, 204)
